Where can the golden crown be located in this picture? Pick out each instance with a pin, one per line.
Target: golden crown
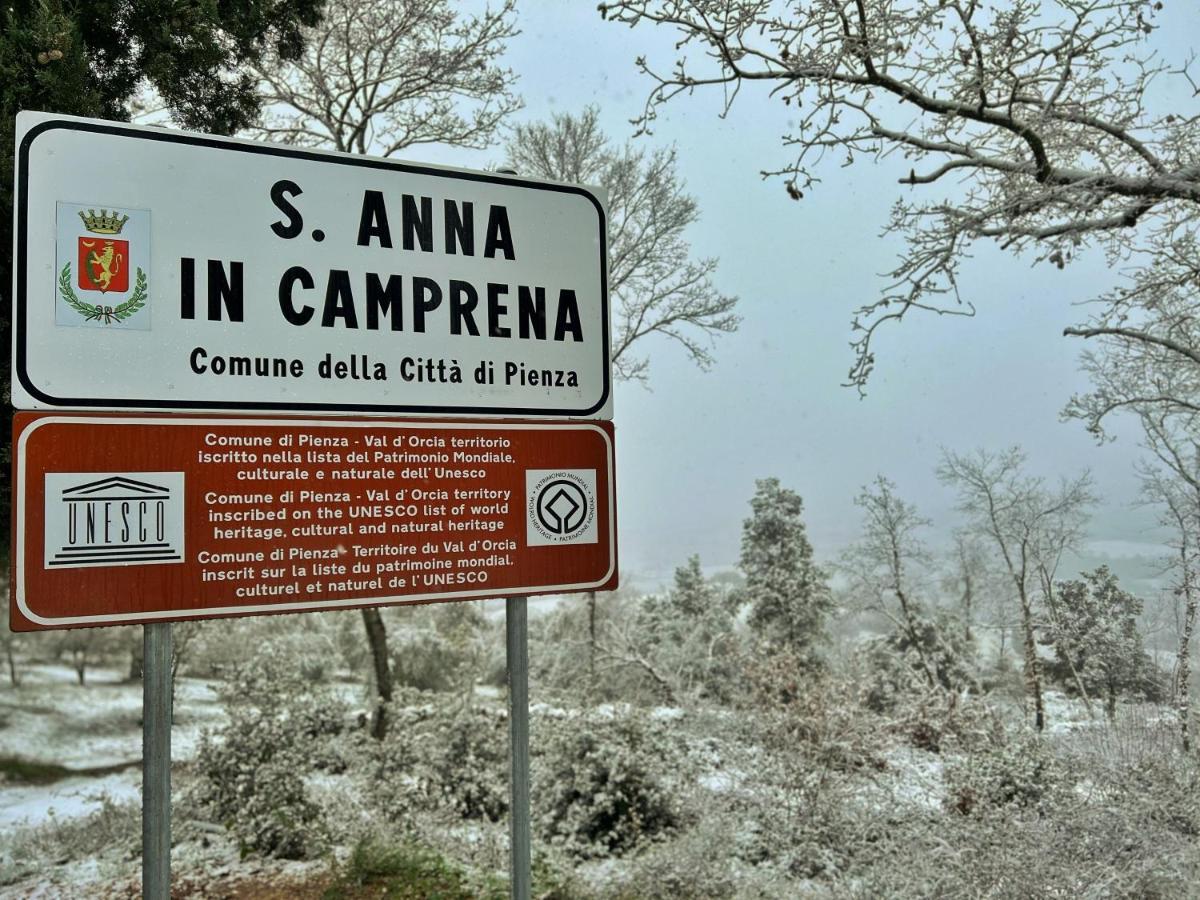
(105, 223)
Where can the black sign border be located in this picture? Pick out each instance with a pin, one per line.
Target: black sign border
(20, 350)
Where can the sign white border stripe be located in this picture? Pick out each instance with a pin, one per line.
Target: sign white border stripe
(227, 611)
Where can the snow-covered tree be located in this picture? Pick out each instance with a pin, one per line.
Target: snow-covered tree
(1031, 525)
(1036, 125)
(656, 285)
(787, 591)
(884, 565)
(1100, 635)
(378, 76)
(686, 637)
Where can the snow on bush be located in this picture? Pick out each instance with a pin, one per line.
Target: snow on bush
(250, 774)
(1022, 771)
(603, 786)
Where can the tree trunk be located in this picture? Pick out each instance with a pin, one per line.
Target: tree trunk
(591, 601)
(967, 591)
(1183, 666)
(1110, 706)
(79, 661)
(135, 658)
(12, 663)
(377, 639)
(1033, 677)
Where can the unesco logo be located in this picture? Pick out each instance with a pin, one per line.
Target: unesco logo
(119, 518)
(561, 506)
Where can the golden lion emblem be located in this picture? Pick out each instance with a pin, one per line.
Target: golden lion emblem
(104, 265)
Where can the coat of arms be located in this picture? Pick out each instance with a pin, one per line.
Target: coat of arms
(102, 266)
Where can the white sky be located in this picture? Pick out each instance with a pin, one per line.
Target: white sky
(690, 448)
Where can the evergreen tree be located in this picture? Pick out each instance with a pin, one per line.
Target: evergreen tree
(1099, 625)
(787, 592)
(690, 630)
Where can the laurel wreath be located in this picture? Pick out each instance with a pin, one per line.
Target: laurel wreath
(98, 312)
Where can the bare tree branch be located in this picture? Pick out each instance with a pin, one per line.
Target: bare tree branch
(378, 76)
(656, 285)
(1038, 108)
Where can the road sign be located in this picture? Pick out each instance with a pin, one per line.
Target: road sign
(131, 519)
(157, 269)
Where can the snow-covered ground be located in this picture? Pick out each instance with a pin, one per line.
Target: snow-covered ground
(95, 731)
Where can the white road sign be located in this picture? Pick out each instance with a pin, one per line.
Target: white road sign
(157, 269)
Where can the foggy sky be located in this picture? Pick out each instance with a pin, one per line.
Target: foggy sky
(690, 447)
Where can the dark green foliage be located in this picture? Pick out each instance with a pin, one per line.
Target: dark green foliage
(895, 667)
(601, 786)
(1098, 635)
(453, 762)
(788, 595)
(404, 870)
(463, 763)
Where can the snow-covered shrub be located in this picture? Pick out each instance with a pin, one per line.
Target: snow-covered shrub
(936, 657)
(462, 763)
(602, 786)
(391, 762)
(1163, 793)
(114, 828)
(1022, 771)
(219, 647)
(426, 661)
(792, 709)
(699, 862)
(1136, 763)
(940, 720)
(251, 772)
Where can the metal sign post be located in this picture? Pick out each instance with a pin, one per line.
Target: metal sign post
(156, 761)
(517, 645)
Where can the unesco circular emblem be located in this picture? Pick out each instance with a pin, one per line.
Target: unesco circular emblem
(561, 507)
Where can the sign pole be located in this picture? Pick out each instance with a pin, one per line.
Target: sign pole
(517, 644)
(156, 761)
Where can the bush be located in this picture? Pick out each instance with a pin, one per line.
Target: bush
(895, 670)
(792, 710)
(601, 785)
(462, 763)
(1022, 771)
(450, 761)
(699, 863)
(426, 661)
(115, 827)
(938, 721)
(403, 870)
(251, 773)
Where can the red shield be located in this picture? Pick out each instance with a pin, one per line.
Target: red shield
(103, 264)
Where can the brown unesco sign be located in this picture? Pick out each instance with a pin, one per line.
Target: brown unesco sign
(130, 519)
